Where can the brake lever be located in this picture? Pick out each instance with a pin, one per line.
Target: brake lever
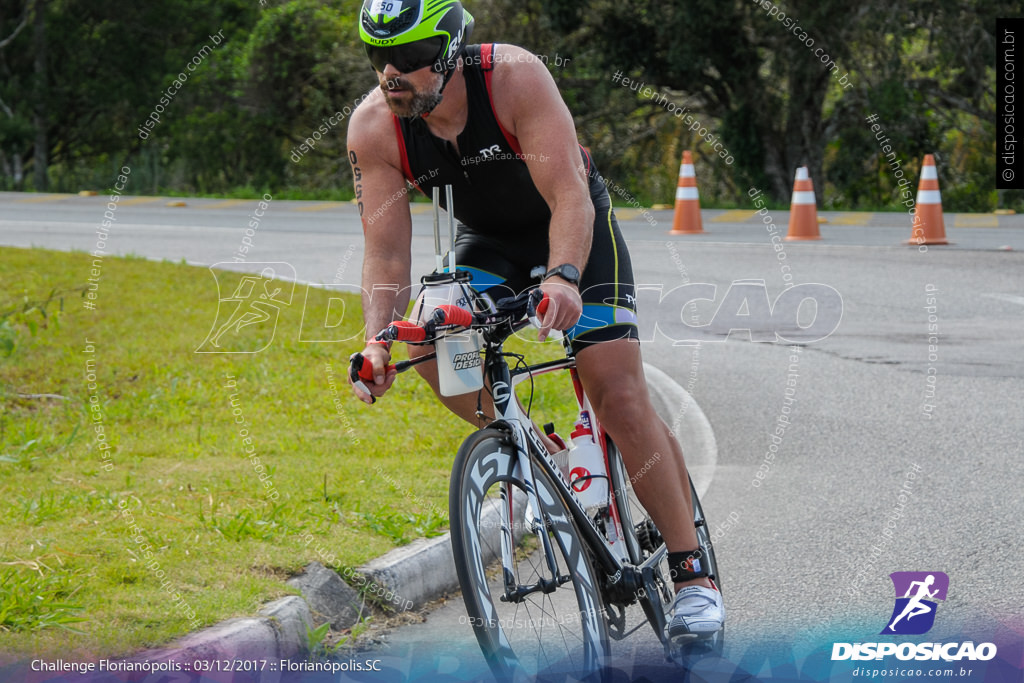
(357, 365)
(536, 306)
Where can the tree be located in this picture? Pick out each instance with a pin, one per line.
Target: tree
(303, 70)
(785, 81)
(15, 129)
(81, 79)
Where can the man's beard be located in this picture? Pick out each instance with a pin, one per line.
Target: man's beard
(419, 104)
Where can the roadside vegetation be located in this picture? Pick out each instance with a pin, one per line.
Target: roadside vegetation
(104, 551)
(237, 98)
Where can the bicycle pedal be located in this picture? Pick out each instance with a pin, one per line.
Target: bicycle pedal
(682, 650)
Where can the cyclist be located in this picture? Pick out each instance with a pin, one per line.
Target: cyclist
(489, 120)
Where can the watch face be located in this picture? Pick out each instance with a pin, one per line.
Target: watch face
(568, 272)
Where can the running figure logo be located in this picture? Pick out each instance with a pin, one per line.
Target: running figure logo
(247, 318)
(914, 612)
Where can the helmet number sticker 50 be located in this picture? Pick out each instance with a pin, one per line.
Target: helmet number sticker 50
(389, 8)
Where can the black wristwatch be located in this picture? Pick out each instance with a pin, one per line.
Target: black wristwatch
(567, 272)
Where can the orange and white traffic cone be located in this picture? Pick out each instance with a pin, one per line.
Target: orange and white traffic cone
(928, 227)
(803, 210)
(687, 218)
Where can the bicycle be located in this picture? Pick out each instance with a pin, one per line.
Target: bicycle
(564, 570)
(613, 556)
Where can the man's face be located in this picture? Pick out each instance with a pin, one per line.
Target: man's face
(412, 94)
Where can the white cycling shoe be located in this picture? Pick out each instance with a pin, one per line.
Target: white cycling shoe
(697, 612)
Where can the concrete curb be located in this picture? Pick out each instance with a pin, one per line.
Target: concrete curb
(416, 573)
(412, 575)
(280, 632)
(424, 570)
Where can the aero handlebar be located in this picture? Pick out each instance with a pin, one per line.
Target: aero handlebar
(533, 302)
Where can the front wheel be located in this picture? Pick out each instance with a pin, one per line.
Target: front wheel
(530, 590)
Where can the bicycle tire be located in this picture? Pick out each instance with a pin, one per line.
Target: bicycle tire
(643, 538)
(546, 636)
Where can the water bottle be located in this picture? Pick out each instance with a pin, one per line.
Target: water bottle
(459, 365)
(587, 474)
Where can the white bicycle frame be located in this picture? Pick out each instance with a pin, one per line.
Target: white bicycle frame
(611, 551)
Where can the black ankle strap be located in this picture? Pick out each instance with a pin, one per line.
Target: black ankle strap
(687, 565)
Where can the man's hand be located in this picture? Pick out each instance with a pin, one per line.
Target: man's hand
(564, 306)
(378, 356)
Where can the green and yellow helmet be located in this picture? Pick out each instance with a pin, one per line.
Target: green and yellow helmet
(413, 34)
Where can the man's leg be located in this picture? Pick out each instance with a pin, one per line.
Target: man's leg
(464, 405)
(613, 377)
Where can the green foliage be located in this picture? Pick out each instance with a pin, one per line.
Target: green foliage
(315, 637)
(26, 314)
(289, 73)
(403, 527)
(346, 488)
(320, 647)
(303, 68)
(246, 524)
(32, 599)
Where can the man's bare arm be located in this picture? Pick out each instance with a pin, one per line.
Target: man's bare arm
(529, 105)
(387, 229)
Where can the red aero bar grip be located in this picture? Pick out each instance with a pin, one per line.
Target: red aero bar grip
(364, 370)
(408, 332)
(453, 315)
(542, 307)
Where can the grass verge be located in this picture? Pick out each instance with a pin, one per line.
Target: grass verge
(131, 510)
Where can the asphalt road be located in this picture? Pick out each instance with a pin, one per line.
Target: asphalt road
(806, 550)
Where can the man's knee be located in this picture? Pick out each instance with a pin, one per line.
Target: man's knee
(622, 403)
(427, 369)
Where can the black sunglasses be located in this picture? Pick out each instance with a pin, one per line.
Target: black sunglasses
(408, 57)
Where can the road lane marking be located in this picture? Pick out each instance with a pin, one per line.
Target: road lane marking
(975, 220)
(227, 203)
(324, 206)
(1012, 298)
(45, 198)
(139, 200)
(734, 216)
(859, 218)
